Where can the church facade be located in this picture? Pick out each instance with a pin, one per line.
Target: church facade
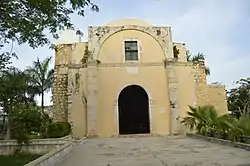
(127, 80)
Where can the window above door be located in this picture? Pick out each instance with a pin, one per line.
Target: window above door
(131, 50)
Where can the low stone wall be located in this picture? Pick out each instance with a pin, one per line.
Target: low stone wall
(54, 157)
(221, 141)
(36, 146)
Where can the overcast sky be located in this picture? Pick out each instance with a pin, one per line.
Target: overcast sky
(218, 28)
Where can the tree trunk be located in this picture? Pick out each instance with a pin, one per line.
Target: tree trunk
(8, 133)
(42, 102)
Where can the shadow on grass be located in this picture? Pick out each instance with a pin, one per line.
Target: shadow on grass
(17, 159)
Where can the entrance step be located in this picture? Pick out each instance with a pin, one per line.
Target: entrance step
(134, 135)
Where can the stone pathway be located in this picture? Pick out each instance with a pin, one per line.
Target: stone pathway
(155, 151)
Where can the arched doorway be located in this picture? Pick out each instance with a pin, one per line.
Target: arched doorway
(133, 106)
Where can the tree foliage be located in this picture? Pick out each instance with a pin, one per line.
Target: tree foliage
(197, 58)
(206, 121)
(238, 98)
(18, 91)
(26, 21)
(40, 77)
(25, 120)
(13, 91)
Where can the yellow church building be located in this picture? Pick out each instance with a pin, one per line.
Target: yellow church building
(127, 80)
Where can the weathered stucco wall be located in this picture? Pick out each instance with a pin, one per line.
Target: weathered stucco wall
(77, 110)
(112, 50)
(108, 97)
(78, 52)
(114, 74)
(86, 93)
(187, 91)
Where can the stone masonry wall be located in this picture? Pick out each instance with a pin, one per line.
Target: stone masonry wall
(200, 83)
(217, 97)
(214, 95)
(60, 85)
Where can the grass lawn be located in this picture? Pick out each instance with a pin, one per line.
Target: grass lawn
(17, 159)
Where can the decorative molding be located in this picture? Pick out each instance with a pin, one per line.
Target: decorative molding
(130, 64)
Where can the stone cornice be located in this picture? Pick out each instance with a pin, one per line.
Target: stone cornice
(170, 63)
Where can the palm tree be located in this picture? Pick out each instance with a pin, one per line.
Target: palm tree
(197, 58)
(41, 77)
(13, 83)
(206, 121)
(201, 118)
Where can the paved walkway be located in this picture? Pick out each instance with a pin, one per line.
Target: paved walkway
(155, 151)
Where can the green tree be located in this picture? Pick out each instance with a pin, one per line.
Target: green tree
(26, 21)
(41, 77)
(238, 98)
(13, 91)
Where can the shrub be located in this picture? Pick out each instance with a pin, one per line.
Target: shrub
(58, 129)
(206, 121)
(24, 123)
(244, 124)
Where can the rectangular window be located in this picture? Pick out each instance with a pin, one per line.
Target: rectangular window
(131, 51)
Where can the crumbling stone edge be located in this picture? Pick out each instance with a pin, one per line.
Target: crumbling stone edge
(56, 156)
(221, 141)
(53, 157)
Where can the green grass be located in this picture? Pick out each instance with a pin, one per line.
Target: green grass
(17, 159)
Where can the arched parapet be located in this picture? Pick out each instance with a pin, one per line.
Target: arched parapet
(98, 35)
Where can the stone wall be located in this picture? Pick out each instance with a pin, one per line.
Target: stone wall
(54, 157)
(217, 97)
(200, 83)
(214, 95)
(36, 146)
(60, 85)
(68, 58)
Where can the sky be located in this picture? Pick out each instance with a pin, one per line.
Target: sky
(218, 28)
